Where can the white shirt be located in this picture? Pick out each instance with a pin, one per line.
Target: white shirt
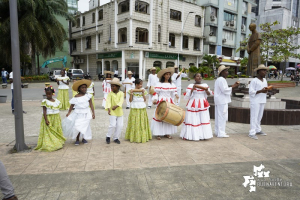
(137, 99)
(222, 92)
(4, 73)
(116, 72)
(11, 77)
(178, 81)
(63, 85)
(128, 86)
(256, 85)
(152, 80)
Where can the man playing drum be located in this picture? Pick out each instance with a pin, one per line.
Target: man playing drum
(176, 79)
(128, 84)
(152, 81)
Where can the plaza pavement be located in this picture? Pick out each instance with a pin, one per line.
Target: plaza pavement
(166, 169)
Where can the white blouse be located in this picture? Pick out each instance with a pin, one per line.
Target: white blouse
(138, 99)
(256, 85)
(63, 85)
(164, 92)
(198, 99)
(52, 107)
(81, 104)
(222, 93)
(106, 86)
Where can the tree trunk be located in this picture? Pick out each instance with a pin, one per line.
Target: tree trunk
(33, 63)
(283, 70)
(38, 64)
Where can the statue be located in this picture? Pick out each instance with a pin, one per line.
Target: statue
(253, 50)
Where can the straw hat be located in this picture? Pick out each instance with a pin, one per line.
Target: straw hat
(176, 67)
(261, 66)
(222, 68)
(153, 68)
(163, 71)
(116, 81)
(108, 72)
(129, 72)
(77, 84)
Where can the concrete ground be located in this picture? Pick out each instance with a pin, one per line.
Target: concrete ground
(166, 169)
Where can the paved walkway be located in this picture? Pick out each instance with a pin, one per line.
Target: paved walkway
(166, 169)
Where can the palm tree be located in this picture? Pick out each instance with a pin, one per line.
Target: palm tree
(38, 26)
(209, 61)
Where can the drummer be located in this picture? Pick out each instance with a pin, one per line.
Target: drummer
(128, 84)
(152, 81)
(176, 79)
(165, 90)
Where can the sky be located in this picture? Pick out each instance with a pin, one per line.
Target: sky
(83, 5)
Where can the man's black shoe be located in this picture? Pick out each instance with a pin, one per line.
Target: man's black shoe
(117, 141)
(107, 140)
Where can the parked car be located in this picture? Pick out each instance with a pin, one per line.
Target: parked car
(75, 74)
(54, 75)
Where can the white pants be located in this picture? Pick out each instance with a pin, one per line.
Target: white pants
(115, 126)
(150, 103)
(221, 116)
(127, 100)
(256, 114)
(179, 94)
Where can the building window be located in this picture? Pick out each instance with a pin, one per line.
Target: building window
(228, 35)
(100, 15)
(197, 44)
(124, 6)
(212, 49)
(88, 42)
(171, 40)
(227, 51)
(107, 65)
(157, 64)
(83, 20)
(228, 16)
(141, 7)
(98, 38)
(170, 64)
(78, 22)
(242, 54)
(159, 33)
(185, 42)
(93, 18)
(123, 35)
(213, 31)
(213, 11)
(244, 9)
(141, 35)
(244, 21)
(73, 45)
(175, 15)
(198, 20)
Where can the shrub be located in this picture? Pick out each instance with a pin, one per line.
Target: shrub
(235, 76)
(243, 76)
(229, 76)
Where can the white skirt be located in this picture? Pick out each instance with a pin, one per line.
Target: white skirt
(162, 128)
(196, 125)
(77, 123)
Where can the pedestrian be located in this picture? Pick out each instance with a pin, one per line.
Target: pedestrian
(275, 74)
(258, 98)
(128, 84)
(12, 91)
(297, 79)
(138, 128)
(63, 90)
(165, 90)
(116, 73)
(77, 123)
(91, 90)
(106, 86)
(113, 105)
(221, 98)
(152, 81)
(196, 125)
(51, 135)
(176, 79)
(4, 75)
(6, 187)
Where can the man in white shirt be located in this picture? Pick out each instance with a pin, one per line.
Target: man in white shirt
(176, 79)
(4, 75)
(222, 97)
(128, 84)
(116, 73)
(12, 92)
(258, 98)
(152, 81)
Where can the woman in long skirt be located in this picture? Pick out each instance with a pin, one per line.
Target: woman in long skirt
(196, 125)
(63, 90)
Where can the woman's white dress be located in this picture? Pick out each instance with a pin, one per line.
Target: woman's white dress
(163, 92)
(196, 125)
(79, 120)
(106, 89)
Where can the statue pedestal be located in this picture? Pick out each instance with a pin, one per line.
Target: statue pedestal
(272, 103)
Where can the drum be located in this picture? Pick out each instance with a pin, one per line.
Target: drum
(151, 90)
(169, 113)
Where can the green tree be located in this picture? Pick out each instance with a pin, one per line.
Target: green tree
(39, 29)
(210, 61)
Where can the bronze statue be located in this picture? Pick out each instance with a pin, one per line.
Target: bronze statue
(253, 50)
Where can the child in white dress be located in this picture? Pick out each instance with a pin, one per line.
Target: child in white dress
(78, 122)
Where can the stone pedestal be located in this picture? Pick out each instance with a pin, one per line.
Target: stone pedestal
(272, 103)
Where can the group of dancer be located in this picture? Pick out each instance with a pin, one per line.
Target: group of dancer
(166, 84)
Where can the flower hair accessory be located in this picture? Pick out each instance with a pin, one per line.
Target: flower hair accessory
(51, 88)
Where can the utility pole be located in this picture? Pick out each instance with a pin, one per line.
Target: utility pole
(15, 54)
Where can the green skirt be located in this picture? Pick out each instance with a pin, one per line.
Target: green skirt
(138, 128)
(51, 137)
(63, 97)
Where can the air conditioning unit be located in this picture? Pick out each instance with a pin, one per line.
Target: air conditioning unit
(224, 40)
(212, 18)
(211, 33)
(231, 23)
(227, 23)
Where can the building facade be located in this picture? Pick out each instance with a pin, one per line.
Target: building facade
(285, 12)
(137, 35)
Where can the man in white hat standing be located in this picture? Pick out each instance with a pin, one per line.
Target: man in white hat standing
(258, 98)
(222, 97)
(128, 83)
(176, 79)
(152, 81)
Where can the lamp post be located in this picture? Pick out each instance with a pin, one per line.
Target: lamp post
(181, 34)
